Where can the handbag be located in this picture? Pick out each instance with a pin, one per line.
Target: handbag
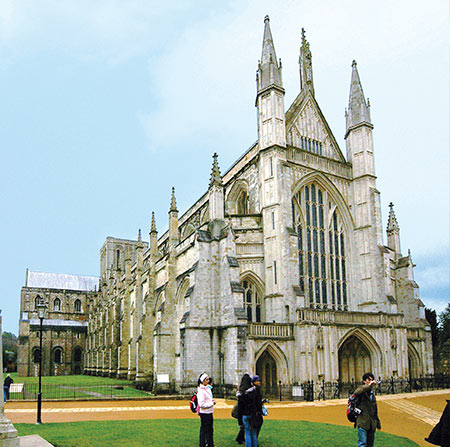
(234, 411)
(264, 411)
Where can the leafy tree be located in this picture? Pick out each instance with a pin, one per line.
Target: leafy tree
(9, 345)
(444, 320)
(431, 317)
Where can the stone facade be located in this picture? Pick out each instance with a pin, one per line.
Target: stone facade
(279, 268)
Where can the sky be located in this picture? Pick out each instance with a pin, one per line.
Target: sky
(105, 105)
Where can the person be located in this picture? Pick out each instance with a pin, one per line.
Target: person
(205, 410)
(367, 421)
(249, 410)
(6, 385)
(440, 435)
(256, 381)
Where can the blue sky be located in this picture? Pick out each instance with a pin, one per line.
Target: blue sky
(104, 105)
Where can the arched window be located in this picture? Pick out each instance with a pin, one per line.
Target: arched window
(57, 355)
(242, 203)
(36, 355)
(57, 305)
(37, 301)
(77, 306)
(117, 259)
(77, 355)
(321, 248)
(252, 301)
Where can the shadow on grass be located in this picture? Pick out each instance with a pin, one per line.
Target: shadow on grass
(184, 433)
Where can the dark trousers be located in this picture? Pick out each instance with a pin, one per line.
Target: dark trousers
(206, 430)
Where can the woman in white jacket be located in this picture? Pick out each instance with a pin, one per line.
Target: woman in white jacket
(205, 410)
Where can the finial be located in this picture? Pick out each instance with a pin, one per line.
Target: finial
(216, 179)
(173, 203)
(409, 252)
(266, 19)
(139, 236)
(153, 228)
(391, 205)
(354, 63)
(303, 35)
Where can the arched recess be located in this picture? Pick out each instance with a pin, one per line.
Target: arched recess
(187, 231)
(324, 226)
(358, 353)
(414, 362)
(237, 201)
(77, 360)
(182, 306)
(334, 193)
(270, 359)
(253, 296)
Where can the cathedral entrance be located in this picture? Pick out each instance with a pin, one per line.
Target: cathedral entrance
(266, 369)
(354, 360)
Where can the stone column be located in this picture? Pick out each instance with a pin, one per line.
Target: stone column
(8, 434)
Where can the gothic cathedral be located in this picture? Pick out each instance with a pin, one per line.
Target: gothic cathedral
(279, 268)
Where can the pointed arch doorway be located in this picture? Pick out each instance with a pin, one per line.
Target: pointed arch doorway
(266, 369)
(354, 360)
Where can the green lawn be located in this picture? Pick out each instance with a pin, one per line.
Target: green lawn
(79, 380)
(76, 387)
(184, 433)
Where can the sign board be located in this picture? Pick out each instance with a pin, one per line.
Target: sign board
(162, 378)
(297, 391)
(16, 388)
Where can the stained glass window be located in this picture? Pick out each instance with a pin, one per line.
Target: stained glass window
(321, 257)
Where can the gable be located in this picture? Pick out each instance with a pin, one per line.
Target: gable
(307, 129)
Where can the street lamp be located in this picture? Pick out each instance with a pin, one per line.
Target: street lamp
(41, 308)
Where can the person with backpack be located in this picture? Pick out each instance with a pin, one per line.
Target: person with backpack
(249, 410)
(6, 385)
(205, 410)
(367, 420)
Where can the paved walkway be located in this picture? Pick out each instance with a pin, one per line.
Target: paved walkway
(412, 415)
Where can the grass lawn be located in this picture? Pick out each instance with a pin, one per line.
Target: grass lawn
(184, 433)
(79, 380)
(75, 387)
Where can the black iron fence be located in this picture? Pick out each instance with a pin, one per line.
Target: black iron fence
(307, 391)
(29, 391)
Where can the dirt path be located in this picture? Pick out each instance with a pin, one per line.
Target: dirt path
(411, 415)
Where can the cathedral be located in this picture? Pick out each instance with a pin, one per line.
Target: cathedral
(279, 268)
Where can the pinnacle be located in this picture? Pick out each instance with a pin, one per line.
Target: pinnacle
(216, 178)
(173, 203)
(153, 228)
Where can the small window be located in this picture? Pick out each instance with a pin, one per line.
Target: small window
(57, 355)
(36, 355)
(77, 306)
(57, 305)
(37, 301)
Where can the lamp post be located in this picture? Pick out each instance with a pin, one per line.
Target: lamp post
(41, 308)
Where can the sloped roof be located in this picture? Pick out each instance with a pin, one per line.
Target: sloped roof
(61, 281)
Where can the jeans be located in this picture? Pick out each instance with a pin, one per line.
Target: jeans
(206, 430)
(365, 437)
(5, 393)
(251, 439)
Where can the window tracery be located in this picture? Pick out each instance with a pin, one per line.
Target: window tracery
(252, 301)
(321, 248)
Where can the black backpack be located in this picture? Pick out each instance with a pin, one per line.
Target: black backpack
(352, 407)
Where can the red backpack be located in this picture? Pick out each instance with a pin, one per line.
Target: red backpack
(193, 403)
(352, 408)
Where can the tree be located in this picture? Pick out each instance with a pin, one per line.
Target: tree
(444, 330)
(9, 342)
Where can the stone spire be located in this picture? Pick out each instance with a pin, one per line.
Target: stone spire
(153, 227)
(269, 69)
(393, 230)
(173, 222)
(139, 236)
(216, 196)
(358, 109)
(216, 179)
(305, 63)
(153, 239)
(173, 202)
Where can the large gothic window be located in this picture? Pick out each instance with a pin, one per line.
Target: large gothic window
(242, 203)
(321, 248)
(252, 301)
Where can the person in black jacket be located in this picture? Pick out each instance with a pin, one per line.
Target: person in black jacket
(249, 410)
(6, 385)
(440, 435)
